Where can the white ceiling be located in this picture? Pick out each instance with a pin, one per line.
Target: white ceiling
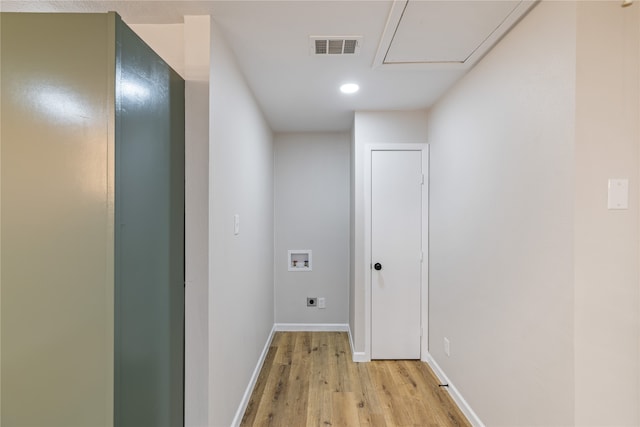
(297, 91)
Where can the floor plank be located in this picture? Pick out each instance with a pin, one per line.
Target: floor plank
(345, 409)
(259, 388)
(309, 379)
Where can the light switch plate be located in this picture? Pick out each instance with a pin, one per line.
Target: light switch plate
(236, 224)
(618, 194)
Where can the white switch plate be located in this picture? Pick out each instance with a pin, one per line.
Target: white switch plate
(447, 347)
(322, 303)
(618, 194)
(236, 224)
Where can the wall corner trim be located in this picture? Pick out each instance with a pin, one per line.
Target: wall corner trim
(453, 391)
(237, 419)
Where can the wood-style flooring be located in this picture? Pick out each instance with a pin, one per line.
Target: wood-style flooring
(309, 379)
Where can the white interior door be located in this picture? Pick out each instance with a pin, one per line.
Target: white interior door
(396, 253)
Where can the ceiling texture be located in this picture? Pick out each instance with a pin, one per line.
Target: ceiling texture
(409, 53)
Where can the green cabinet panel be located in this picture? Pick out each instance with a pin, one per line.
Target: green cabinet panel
(91, 225)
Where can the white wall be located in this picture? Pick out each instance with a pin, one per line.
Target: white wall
(606, 241)
(532, 279)
(501, 225)
(372, 128)
(501, 276)
(186, 48)
(167, 40)
(312, 212)
(241, 266)
(197, 58)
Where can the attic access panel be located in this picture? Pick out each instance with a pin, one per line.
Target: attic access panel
(446, 33)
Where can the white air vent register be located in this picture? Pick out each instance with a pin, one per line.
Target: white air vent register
(334, 45)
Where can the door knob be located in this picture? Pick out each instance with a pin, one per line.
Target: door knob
(377, 266)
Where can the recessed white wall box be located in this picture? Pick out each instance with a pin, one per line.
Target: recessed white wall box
(299, 260)
(618, 194)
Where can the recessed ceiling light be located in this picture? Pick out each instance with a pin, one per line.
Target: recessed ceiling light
(349, 88)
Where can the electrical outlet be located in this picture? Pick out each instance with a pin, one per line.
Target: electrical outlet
(312, 301)
(447, 347)
(322, 303)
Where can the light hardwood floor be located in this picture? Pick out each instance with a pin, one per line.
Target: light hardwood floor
(309, 379)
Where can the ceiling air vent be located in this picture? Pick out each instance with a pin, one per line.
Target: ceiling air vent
(335, 45)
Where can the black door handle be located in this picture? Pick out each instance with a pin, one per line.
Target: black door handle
(377, 266)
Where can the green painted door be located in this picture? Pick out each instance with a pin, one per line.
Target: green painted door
(149, 237)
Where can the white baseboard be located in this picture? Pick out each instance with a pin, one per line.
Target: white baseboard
(237, 419)
(356, 356)
(359, 356)
(455, 394)
(311, 327)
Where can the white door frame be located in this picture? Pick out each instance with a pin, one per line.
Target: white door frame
(424, 303)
